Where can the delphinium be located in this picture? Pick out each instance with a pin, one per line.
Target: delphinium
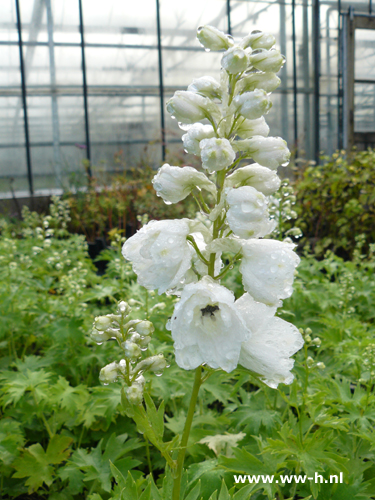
(224, 124)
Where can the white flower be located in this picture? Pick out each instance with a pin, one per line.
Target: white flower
(207, 86)
(258, 40)
(253, 104)
(267, 268)
(269, 152)
(174, 184)
(189, 107)
(109, 373)
(160, 253)
(261, 178)
(213, 39)
(248, 213)
(272, 343)
(235, 60)
(267, 60)
(249, 128)
(206, 327)
(216, 154)
(194, 135)
(266, 81)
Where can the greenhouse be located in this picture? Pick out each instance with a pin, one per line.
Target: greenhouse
(187, 250)
(80, 79)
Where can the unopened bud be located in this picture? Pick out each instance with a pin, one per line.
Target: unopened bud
(189, 107)
(267, 60)
(309, 361)
(213, 39)
(266, 81)
(154, 363)
(131, 349)
(123, 308)
(109, 373)
(207, 86)
(144, 328)
(308, 331)
(235, 60)
(320, 365)
(307, 338)
(216, 154)
(317, 341)
(100, 337)
(134, 394)
(253, 104)
(144, 341)
(102, 323)
(258, 40)
(269, 152)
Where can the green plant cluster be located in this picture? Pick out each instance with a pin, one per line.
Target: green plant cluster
(336, 201)
(64, 436)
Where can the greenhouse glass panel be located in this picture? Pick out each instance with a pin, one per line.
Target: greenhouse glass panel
(364, 107)
(8, 27)
(364, 54)
(13, 170)
(65, 17)
(11, 122)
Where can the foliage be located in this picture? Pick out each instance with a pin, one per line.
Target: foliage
(64, 436)
(336, 201)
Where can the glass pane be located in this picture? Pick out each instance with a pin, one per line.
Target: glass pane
(8, 26)
(364, 54)
(116, 67)
(11, 121)
(66, 21)
(71, 120)
(114, 22)
(364, 107)
(10, 75)
(13, 165)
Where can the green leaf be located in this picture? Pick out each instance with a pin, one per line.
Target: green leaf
(224, 494)
(194, 493)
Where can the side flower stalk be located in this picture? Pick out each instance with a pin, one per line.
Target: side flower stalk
(224, 125)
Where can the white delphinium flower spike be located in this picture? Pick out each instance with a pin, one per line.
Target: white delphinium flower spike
(206, 327)
(194, 135)
(273, 341)
(261, 178)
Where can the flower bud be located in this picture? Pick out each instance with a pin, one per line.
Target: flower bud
(216, 154)
(258, 40)
(194, 135)
(261, 178)
(174, 184)
(144, 328)
(309, 361)
(317, 341)
(320, 365)
(123, 308)
(269, 152)
(155, 364)
(213, 39)
(253, 104)
(109, 373)
(207, 86)
(235, 60)
(102, 323)
(265, 81)
(249, 128)
(134, 393)
(267, 60)
(131, 349)
(189, 107)
(100, 337)
(308, 331)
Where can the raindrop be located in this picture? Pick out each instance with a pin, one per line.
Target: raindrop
(106, 383)
(158, 374)
(99, 343)
(207, 50)
(143, 348)
(254, 32)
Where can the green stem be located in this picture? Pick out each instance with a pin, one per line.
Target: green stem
(185, 434)
(148, 456)
(204, 204)
(192, 242)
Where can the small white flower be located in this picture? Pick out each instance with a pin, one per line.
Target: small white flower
(217, 154)
(267, 269)
(207, 86)
(267, 60)
(194, 135)
(213, 39)
(248, 213)
(261, 178)
(272, 343)
(249, 128)
(160, 253)
(206, 327)
(235, 60)
(189, 107)
(258, 40)
(252, 105)
(174, 184)
(269, 152)
(258, 80)
(109, 373)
